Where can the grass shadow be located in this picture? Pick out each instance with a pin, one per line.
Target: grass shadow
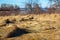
(17, 32)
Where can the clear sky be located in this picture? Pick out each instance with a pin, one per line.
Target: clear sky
(21, 3)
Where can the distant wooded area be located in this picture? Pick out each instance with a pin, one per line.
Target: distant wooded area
(30, 7)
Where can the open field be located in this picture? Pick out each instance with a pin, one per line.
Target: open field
(30, 27)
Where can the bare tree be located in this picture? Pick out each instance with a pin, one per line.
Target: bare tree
(37, 9)
(32, 6)
(56, 5)
(28, 8)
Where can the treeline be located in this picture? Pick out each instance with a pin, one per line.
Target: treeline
(9, 7)
(30, 8)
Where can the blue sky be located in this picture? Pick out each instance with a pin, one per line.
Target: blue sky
(21, 3)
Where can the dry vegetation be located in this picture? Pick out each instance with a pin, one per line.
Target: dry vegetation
(30, 27)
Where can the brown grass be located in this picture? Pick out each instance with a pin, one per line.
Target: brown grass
(40, 27)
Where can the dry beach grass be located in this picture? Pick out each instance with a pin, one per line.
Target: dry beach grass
(30, 27)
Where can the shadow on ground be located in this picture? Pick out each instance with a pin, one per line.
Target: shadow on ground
(17, 32)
